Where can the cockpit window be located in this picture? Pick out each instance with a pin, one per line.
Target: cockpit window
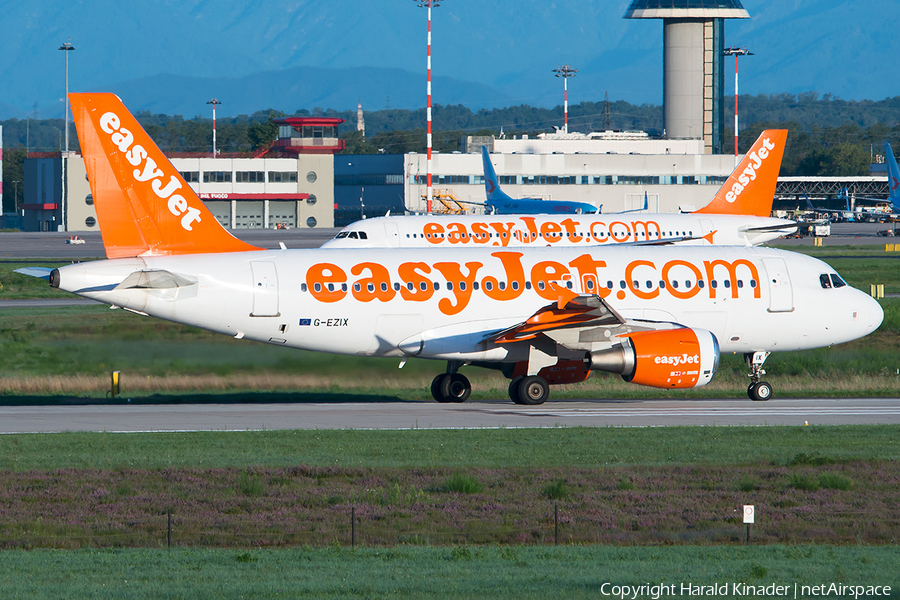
(363, 236)
(341, 234)
(825, 281)
(836, 280)
(354, 235)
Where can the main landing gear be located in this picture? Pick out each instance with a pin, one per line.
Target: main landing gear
(451, 386)
(758, 390)
(529, 390)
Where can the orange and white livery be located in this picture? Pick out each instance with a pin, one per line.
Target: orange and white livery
(738, 215)
(542, 316)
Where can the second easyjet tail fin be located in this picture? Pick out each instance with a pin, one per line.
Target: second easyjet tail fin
(893, 176)
(144, 207)
(750, 189)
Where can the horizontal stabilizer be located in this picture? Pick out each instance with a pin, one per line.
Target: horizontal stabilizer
(39, 272)
(156, 279)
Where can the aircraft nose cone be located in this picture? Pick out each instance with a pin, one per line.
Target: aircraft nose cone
(873, 314)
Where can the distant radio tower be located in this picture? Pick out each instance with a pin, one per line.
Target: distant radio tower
(607, 121)
(565, 72)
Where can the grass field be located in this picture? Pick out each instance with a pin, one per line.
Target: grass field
(458, 572)
(70, 351)
(582, 447)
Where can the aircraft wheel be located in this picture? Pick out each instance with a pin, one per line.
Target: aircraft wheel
(455, 387)
(760, 392)
(514, 388)
(533, 390)
(436, 385)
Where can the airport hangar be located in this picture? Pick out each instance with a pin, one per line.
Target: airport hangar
(302, 181)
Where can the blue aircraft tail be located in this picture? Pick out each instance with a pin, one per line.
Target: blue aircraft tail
(893, 176)
(499, 203)
(491, 183)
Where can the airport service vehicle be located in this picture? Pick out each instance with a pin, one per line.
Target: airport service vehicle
(738, 215)
(542, 316)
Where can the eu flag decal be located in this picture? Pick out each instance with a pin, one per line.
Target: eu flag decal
(305, 322)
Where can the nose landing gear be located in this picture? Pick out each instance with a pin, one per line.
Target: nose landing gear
(758, 391)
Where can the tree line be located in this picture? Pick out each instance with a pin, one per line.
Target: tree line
(828, 136)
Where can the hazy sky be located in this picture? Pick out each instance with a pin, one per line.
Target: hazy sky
(829, 46)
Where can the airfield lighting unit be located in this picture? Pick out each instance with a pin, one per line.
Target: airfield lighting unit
(565, 72)
(428, 170)
(736, 52)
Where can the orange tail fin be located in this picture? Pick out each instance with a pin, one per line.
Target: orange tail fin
(144, 207)
(750, 188)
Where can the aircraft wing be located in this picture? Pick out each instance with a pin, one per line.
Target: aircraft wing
(772, 227)
(571, 311)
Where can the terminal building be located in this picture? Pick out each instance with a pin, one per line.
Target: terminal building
(289, 184)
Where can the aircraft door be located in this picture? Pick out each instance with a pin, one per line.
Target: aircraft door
(265, 289)
(706, 225)
(392, 234)
(781, 295)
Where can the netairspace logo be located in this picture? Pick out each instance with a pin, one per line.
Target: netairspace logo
(795, 591)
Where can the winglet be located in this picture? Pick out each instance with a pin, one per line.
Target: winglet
(564, 295)
(144, 207)
(750, 189)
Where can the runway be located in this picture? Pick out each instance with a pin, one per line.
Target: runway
(429, 415)
(53, 245)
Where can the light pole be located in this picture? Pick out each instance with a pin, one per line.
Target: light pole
(736, 52)
(16, 196)
(428, 190)
(214, 102)
(64, 209)
(66, 47)
(565, 72)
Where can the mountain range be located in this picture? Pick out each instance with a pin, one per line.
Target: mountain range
(172, 56)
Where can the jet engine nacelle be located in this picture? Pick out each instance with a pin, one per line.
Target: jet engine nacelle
(673, 358)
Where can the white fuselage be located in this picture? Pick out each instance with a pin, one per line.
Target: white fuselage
(472, 231)
(437, 304)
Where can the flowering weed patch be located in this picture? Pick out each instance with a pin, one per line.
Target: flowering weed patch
(291, 506)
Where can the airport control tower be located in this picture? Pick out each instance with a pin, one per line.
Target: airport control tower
(693, 65)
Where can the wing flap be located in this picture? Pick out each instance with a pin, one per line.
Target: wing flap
(576, 313)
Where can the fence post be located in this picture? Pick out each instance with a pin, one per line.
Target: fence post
(556, 524)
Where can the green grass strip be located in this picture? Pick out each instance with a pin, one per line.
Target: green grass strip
(576, 447)
(426, 572)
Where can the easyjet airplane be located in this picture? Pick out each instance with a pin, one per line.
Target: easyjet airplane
(737, 215)
(541, 316)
